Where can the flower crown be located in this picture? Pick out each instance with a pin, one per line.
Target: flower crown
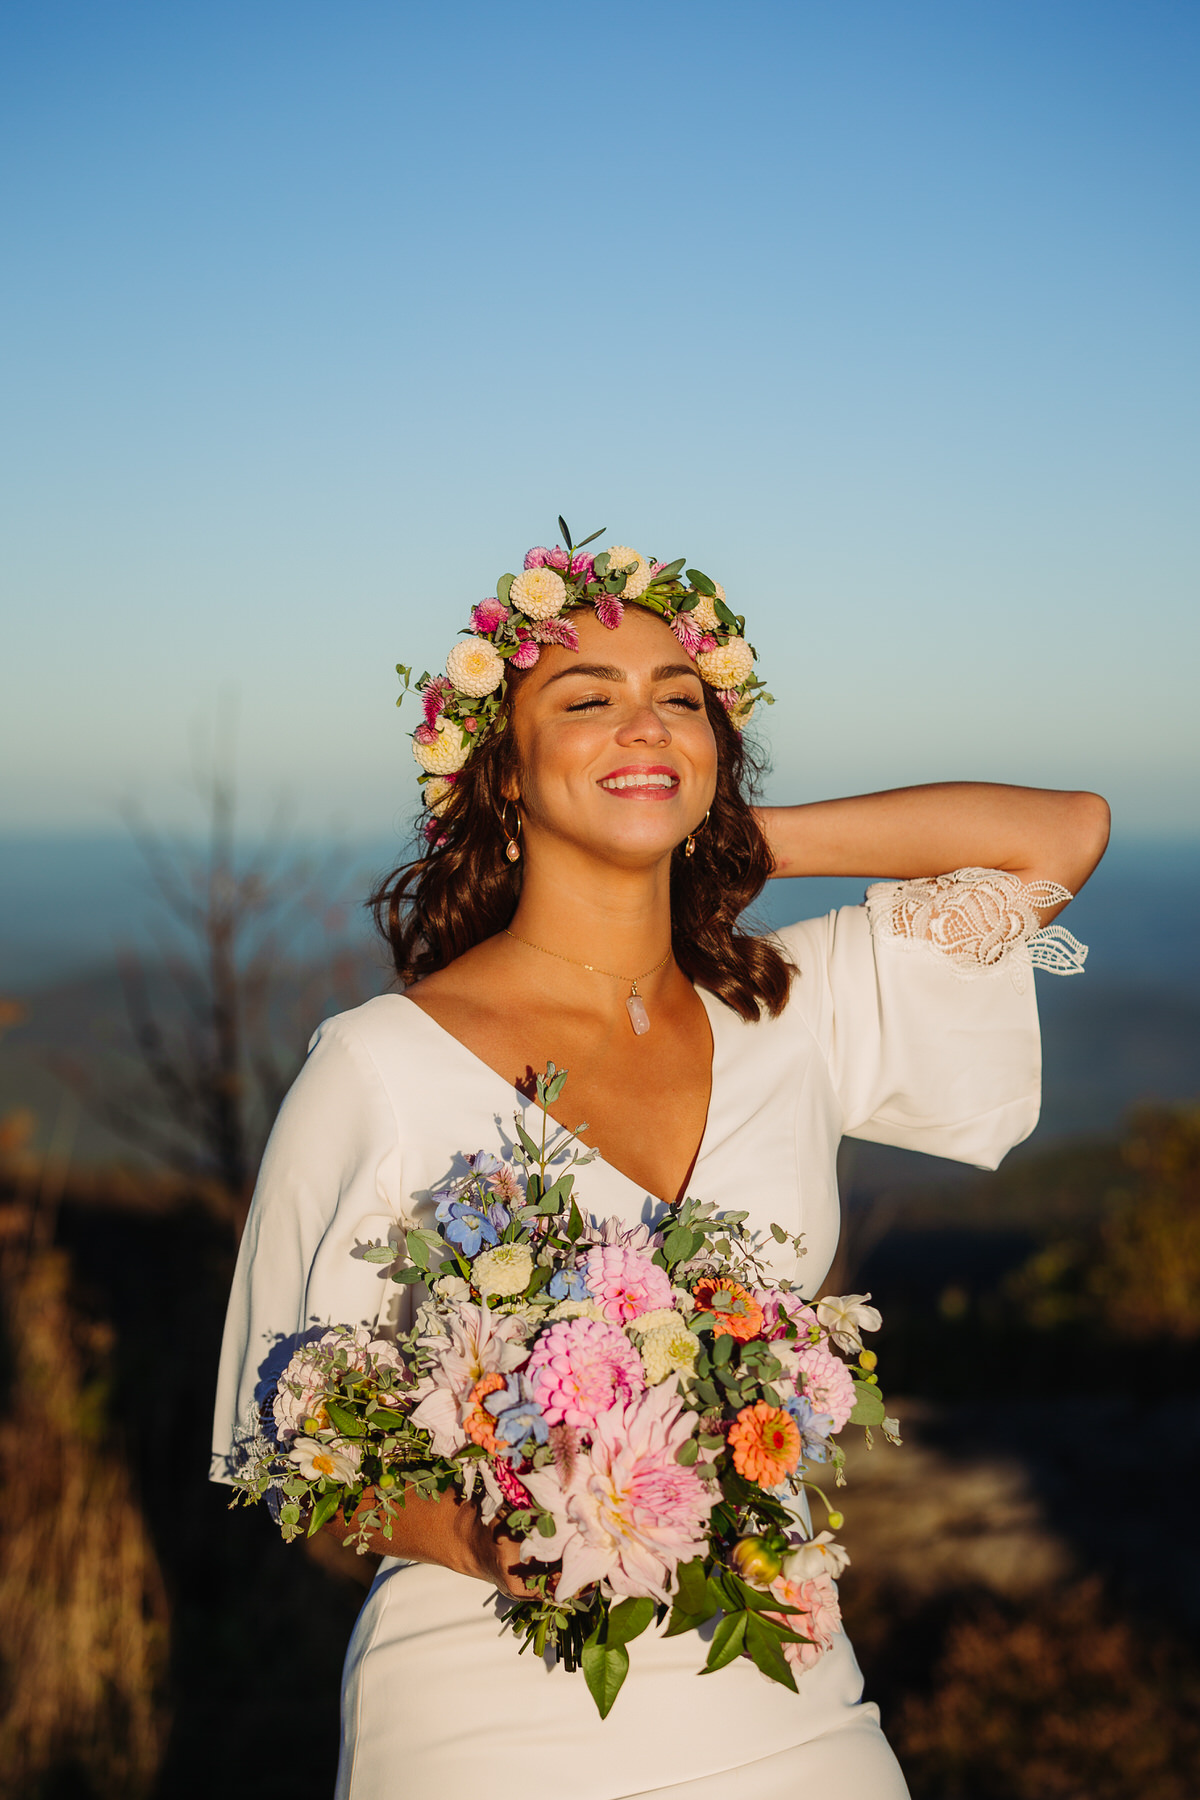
(532, 609)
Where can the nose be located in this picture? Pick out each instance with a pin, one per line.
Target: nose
(643, 725)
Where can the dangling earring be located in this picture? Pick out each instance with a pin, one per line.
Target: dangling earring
(689, 847)
(512, 848)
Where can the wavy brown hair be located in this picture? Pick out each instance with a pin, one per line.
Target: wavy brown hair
(464, 889)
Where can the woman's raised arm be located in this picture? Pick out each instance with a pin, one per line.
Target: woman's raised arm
(1038, 834)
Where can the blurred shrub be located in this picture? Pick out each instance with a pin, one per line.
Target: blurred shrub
(84, 1649)
(1070, 1702)
(1138, 1272)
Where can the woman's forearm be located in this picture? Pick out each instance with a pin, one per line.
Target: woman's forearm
(1036, 833)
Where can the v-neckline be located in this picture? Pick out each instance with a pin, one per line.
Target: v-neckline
(529, 1105)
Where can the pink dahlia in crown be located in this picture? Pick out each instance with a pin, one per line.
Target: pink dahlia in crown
(582, 1367)
(630, 1513)
(625, 1283)
(533, 607)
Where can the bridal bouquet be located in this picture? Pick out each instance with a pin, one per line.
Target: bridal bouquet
(640, 1407)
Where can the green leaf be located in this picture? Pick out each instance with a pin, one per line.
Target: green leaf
(727, 618)
(324, 1510)
(728, 1641)
(687, 1453)
(418, 1249)
(779, 1234)
(701, 583)
(691, 1587)
(348, 1423)
(409, 1275)
(546, 1526)
(868, 1405)
(504, 588)
(628, 1619)
(601, 564)
(671, 570)
(605, 1667)
(722, 1351)
(591, 538)
(681, 1621)
(566, 535)
(766, 1654)
(556, 1195)
(527, 1143)
(382, 1253)
(555, 1086)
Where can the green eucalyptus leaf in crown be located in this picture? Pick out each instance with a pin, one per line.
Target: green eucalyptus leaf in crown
(533, 610)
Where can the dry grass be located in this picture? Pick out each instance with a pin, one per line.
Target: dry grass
(1068, 1701)
(85, 1640)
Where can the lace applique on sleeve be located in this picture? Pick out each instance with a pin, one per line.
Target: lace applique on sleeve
(980, 920)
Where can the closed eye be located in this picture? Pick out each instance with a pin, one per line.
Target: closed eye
(687, 701)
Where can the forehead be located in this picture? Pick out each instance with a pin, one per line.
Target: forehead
(639, 644)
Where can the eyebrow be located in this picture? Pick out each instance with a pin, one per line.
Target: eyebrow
(610, 672)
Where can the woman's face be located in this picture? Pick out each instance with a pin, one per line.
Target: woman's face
(617, 755)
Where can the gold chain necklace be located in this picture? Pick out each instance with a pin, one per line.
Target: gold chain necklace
(639, 1018)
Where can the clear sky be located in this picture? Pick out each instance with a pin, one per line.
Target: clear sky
(316, 315)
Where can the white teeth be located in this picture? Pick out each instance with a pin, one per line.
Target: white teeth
(639, 781)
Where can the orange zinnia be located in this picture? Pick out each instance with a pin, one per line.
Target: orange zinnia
(766, 1444)
(479, 1424)
(742, 1318)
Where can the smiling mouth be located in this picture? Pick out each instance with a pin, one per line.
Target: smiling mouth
(653, 784)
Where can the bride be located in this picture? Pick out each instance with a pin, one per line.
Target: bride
(590, 852)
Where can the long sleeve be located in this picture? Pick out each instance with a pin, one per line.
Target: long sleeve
(330, 1182)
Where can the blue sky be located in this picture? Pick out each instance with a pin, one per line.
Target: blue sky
(884, 314)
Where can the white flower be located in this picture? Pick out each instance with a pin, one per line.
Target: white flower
(845, 1318)
(452, 1288)
(669, 1350)
(577, 1309)
(435, 794)
(650, 1321)
(448, 753)
(704, 613)
(336, 1462)
(475, 667)
(539, 593)
(505, 1270)
(683, 1300)
(729, 665)
(820, 1557)
(620, 556)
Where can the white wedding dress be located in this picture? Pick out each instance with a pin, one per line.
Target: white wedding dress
(882, 1039)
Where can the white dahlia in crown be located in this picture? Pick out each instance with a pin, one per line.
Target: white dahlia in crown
(475, 666)
(638, 574)
(704, 613)
(447, 753)
(539, 593)
(728, 666)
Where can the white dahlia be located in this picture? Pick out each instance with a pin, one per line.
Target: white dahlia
(669, 1350)
(447, 753)
(505, 1270)
(704, 613)
(435, 795)
(620, 556)
(475, 667)
(729, 665)
(539, 593)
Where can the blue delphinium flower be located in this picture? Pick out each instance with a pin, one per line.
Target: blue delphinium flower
(814, 1427)
(568, 1284)
(468, 1227)
(518, 1416)
(484, 1163)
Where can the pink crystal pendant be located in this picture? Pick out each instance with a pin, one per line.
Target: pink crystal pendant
(639, 1018)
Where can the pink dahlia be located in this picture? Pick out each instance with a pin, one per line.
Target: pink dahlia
(525, 654)
(488, 616)
(629, 1513)
(610, 611)
(781, 1309)
(626, 1284)
(825, 1382)
(818, 1617)
(581, 1368)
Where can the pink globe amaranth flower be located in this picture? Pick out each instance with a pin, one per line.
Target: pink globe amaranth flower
(610, 611)
(818, 1618)
(580, 1369)
(488, 616)
(557, 559)
(629, 1513)
(688, 634)
(625, 1283)
(426, 734)
(471, 725)
(779, 1310)
(825, 1382)
(556, 631)
(707, 642)
(583, 568)
(507, 1482)
(525, 654)
(434, 696)
(539, 558)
